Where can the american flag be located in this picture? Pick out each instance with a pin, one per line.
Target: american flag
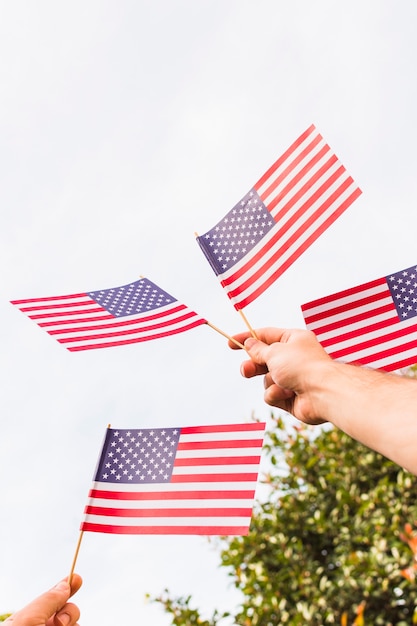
(373, 324)
(293, 203)
(138, 311)
(194, 480)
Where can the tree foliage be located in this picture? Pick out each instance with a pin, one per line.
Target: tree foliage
(332, 543)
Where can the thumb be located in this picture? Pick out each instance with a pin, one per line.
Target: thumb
(255, 349)
(45, 605)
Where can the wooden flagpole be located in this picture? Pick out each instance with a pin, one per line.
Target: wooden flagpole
(226, 335)
(74, 560)
(252, 332)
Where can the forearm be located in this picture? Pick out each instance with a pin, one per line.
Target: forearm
(376, 408)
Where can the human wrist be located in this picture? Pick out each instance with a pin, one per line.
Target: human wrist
(325, 381)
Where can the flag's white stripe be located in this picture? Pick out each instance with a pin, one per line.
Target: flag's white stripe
(180, 470)
(222, 436)
(247, 485)
(328, 307)
(169, 521)
(171, 504)
(267, 273)
(187, 470)
(345, 316)
(219, 452)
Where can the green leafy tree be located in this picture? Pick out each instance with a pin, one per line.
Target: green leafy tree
(331, 543)
(4, 617)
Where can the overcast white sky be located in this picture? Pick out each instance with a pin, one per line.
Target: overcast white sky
(126, 127)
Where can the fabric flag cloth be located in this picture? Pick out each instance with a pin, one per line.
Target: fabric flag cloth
(373, 324)
(293, 203)
(195, 480)
(132, 313)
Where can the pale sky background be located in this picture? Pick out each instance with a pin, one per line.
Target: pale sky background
(126, 127)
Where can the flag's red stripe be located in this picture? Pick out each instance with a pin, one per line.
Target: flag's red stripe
(299, 176)
(77, 320)
(271, 243)
(171, 512)
(99, 309)
(173, 495)
(281, 269)
(224, 428)
(214, 478)
(221, 460)
(210, 445)
(52, 298)
(376, 341)
(293, 147)
(125, 342)
(344, 294)
(130, 331)
(351, 306)
(165, 530)
(357, 332)
(117, 321)
(62, 305)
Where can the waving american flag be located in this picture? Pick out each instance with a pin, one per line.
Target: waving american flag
(192, 480)
(289, 207)
(138, 311)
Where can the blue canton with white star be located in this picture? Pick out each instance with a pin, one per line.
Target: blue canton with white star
(403, 288)
(138, 456)
(137, 297)
(237, 233)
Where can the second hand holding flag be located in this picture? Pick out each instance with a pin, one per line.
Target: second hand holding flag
(289, 207)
